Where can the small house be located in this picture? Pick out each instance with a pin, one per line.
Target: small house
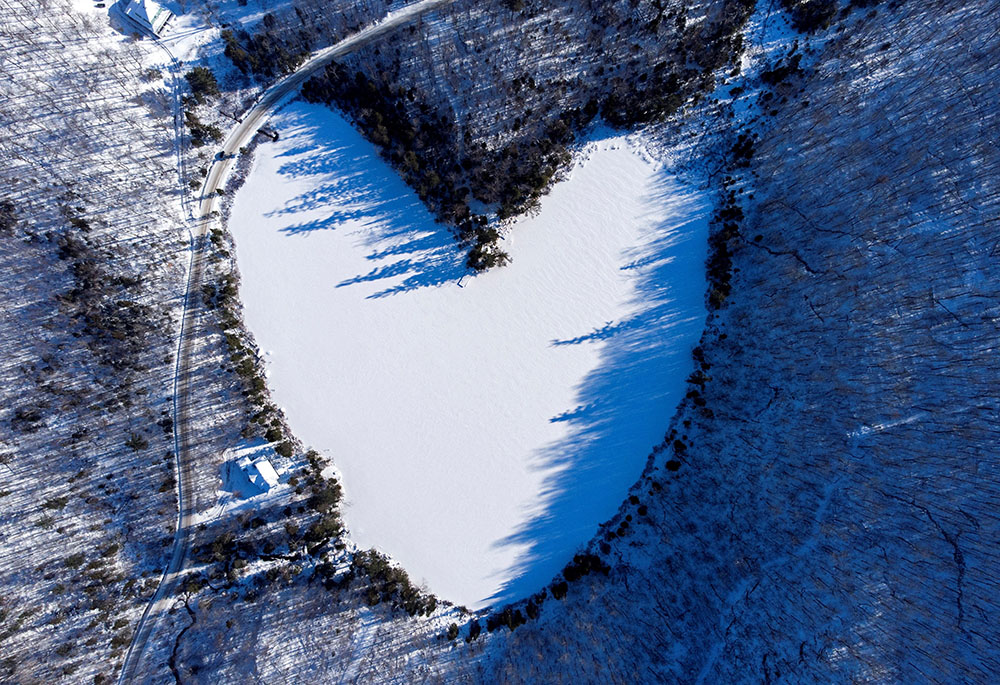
(260, 472)
(145, 16)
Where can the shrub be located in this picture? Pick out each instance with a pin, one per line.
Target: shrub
(326, 497)
(121, 639)
(512, 618)
(326, 528)
(270, 52)
(584, 564)
(486, 256)
(8, 216)
(136, 442)
(779, 73)
(809, 16)
(201, 133)
(742, 151)
(560, 589)
(26, 419)
(56, 503)
(223, 547)
(74, 560)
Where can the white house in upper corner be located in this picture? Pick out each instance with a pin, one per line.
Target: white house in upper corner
(145, 15)
(260, 472)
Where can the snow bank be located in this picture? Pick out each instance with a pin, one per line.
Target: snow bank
(484, 426)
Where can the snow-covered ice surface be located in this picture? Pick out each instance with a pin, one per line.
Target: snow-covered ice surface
(484, 425)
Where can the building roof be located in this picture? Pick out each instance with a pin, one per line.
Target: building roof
(260, 472)
(147, 14)
(266, 471)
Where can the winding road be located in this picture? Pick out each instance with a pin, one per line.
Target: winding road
(218, 173)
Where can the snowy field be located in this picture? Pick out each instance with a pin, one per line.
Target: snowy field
(484, 426)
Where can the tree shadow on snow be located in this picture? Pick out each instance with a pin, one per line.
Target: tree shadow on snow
(355, 188)
(625, 404)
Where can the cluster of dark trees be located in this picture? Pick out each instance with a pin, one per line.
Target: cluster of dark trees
(515, 177)
(325, 497)
(391, 584)
(201, 134)
(221, 296)
(639, 93)
(100, 299)
(8, 217)
(421, 144)
(809, 16)
(282, 40)
(720, 262)
(448, 167)
(269, 52)
(203, 87)
(515, 615)
(202, 83)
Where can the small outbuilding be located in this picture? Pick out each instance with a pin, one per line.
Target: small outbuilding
(260, 472)
(145, 16)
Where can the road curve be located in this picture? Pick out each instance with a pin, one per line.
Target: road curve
(258, 114)
(216, 178)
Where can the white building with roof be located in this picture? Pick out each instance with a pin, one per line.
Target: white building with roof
(260, 472)
(145, 15)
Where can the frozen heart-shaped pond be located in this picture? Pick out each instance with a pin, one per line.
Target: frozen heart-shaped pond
(484, 426)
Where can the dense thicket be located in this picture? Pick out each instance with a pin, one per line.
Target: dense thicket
(810, 16)
(101, 299)
(423, 145)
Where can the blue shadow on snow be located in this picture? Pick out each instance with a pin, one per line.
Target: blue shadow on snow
(624, 405)
(358, 187)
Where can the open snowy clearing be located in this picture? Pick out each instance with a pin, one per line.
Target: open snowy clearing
(483, 425)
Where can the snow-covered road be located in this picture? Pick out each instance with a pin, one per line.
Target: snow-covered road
(254, 119)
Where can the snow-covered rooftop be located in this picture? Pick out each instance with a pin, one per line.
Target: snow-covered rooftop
(146, 14)
(260, 472)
